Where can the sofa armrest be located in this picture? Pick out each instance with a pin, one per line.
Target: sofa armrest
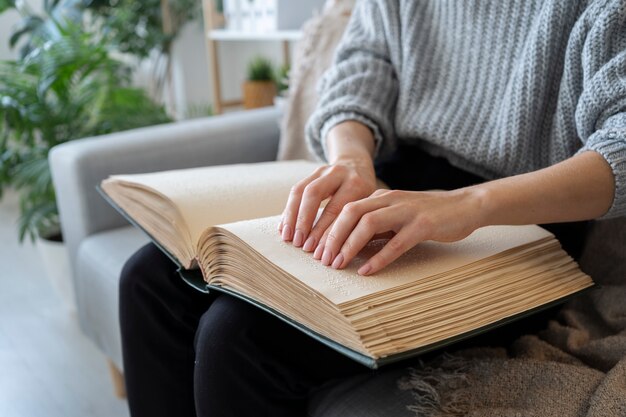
(78, 166)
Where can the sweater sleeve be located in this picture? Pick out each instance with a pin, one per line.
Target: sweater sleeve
(361, 84)
(601, 108)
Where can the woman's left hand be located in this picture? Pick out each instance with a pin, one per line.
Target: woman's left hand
(410, 217)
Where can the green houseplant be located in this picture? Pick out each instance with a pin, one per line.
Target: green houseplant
(282, 87)
(282, 79)
(67, 87)
(259, 89)
(139, 29)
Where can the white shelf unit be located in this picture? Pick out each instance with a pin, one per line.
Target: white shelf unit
(215, 36)
(237, 35)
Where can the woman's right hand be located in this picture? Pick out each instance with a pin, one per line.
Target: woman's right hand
(347, 179)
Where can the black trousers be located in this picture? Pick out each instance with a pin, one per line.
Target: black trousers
(187, 353)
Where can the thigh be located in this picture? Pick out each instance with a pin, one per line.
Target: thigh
(159, 315)
(150, 285)
(250, 363)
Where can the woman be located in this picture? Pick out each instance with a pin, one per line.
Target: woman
(516, 108)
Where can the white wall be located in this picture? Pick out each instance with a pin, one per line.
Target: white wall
(7, 21)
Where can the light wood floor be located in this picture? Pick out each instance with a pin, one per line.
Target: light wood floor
(47, 367)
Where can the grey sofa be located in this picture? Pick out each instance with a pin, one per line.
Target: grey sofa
(100, 240)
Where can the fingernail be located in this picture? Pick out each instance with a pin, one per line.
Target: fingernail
(326, 257)
(365, 269)
(318, 252)
(338, 261)
(280, 227)
(298, 238)
(286, 233)
(309, 244)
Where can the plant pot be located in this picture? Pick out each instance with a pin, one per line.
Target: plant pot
(56, 262)
(258, 94)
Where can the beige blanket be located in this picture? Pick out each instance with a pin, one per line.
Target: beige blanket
(321, 34)
(575, 367)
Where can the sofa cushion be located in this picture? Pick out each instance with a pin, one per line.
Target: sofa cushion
(99, 263)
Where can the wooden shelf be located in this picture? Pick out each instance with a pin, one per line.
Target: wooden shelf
(215, 36)
(237, 35)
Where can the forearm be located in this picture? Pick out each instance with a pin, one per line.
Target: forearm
(579, 188)
(350, 140)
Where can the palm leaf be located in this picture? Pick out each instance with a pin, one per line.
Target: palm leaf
(30, 24)
(6, 5)
(37, 218)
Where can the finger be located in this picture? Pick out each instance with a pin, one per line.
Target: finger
(291, 211)
(392, 250)
(320, 247)
(328, 216)
(378, 192)
(315, 192)
(330, 213)
(293, 203)
(352, 214)
(371, 224)
(319, 250)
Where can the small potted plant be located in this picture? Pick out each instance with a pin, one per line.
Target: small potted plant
(259, 89)
(282, 86)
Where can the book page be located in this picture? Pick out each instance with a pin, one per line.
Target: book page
(423, 261)
(221, 194)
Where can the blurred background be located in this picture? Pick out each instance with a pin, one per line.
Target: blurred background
(76, 69)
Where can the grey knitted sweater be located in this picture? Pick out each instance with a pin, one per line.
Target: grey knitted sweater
(497, 87)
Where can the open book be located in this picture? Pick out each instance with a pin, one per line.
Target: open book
(220, 225)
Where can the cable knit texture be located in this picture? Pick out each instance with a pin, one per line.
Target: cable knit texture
(498, 87)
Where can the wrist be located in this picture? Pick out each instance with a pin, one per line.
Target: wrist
(350, 141)
(362, 167)
(357, 161)
(481, 204)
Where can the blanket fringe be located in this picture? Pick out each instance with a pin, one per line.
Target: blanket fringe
(439, 388)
